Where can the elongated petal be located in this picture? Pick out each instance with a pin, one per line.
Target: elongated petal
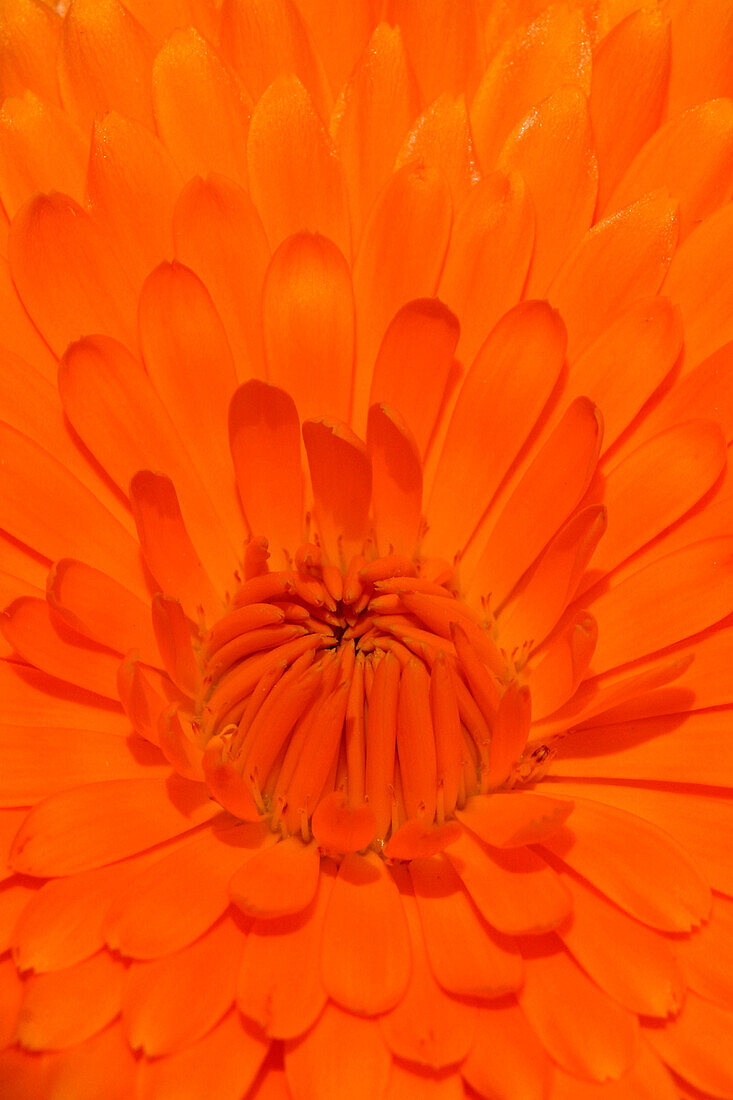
(372, 118)
(40, 150)
(62, 1009)
(551, 51)
(413, 366)
(222, 1063)
(264, 436)
(396, 481)
(552, 148)
(700, 184)
(201, 112)
(523, 1068)
(662, 888)
(342, 483)
(340, 1051)
(91, 826)
(624, 257)
(669, 600)
(308, 304)
(628, 88)
(295, 179)
(218, 233)
(66, 275)
(279, 984)
(465, 957)
(501, 398)
(579, 1026)
(169, 1003)
(365, 956)
(497, 219)
(415, 205)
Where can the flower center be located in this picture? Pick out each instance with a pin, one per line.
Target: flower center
(357, 707)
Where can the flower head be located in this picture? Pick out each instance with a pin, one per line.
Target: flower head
(366, 547)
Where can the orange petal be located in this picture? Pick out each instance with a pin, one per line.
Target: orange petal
(99, 823)
(496, 220)
(278, 881)
(64, 922)
(558, 478)
(530, 617)
(625, 257)
(501, 398)
(201, 112)
(101, 609)
(552, 148)
(176, 899)
(645, 1079)
(265, 41)
(279, 984)
(579, 1026)
(536, 61)
(132, 186)
(30, 35)
(397, 481)
(512, 819)
(628, 91)
(104, 63)
(652, 749)
(20, 336)
(514, 890)
(466, 958)
(44, 640)
(265, 443)
(222, 1064)
(342, 827)
(442, 44)
(62, 1009)
(14, 897)
(669, 600)
(40, 150)
(169, 1003)
(295, 179)
(427, 1026)
(339, 33)
(414, 364)
(441, 136)
(695, 1045)
(365, 954)
(12, 995)
(31, 698)
(174, 637)
(191, 367)
(166, 15)
(371, 119)
(702, 183)
(705, 958)
(681, 464)
(620, 381)
(522, 1069)
(415, 205)
(73, 521)
(41, 762)
(341, 473)
(66, 275)
(308, 304)
(102, 1068)
(700, 283)
(631, 963)
(166, 546)
(702, 37)
(698, 823)
(659, 886)
(563, 664)
(341, 1052)
(707, 387)
(218, 234)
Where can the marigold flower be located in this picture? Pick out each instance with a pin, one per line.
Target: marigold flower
(366, 390)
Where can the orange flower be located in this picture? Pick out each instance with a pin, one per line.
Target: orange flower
(366, 391)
